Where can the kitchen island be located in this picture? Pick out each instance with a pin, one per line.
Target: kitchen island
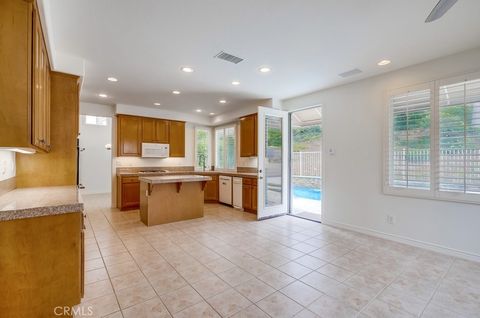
(166, 199)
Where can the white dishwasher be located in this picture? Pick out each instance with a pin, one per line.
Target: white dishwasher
(237, 192)
(225, 190)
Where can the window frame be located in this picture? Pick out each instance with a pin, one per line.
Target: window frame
(209, 148)
(433, 193)
(224, 128)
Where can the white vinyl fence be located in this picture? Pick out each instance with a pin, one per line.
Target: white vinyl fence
(307, 164)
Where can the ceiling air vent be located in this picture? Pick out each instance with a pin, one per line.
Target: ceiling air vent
(355, 71)
(228, 57)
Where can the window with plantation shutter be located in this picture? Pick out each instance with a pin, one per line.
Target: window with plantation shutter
(459, 137)
(433, 140)
(225, 148)
(409, 140)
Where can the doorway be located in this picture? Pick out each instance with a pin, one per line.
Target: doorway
(95, 154)
(306, 163)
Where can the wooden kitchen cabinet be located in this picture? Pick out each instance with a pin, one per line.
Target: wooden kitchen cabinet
(249, 195)
(155, 130)
(42, 264)
(24, 77)
(177, 139)
(248, 136)
(128, 188)
(211, 189)
(129, 135)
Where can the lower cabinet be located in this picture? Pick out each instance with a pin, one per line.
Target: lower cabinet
(128, 192)
(249, 195)
(41, 264)
(211, 190)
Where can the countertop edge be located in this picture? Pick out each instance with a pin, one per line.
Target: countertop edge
(18, 214)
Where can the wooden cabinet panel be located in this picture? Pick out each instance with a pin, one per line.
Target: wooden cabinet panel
(248, 136)
(130, 193)
(162, 129)
(129, 135)
(211, 190)
(148, 130)
(249, 194)
(177, 139)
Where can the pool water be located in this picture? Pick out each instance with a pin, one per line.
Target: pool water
(307, 193)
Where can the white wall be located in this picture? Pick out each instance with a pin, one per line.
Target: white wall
(353, 118)
(7, 165)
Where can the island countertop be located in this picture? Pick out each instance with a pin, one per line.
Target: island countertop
(174, 179)
(25, 203)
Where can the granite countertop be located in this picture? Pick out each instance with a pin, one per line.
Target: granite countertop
(209, 172)
(174, 179)
(26, 203)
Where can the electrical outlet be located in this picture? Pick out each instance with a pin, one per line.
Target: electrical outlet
(390, 219)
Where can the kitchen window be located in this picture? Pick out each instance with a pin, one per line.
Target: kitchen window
(225, 148)
(203, 138)
(95, 120)
(434, 140)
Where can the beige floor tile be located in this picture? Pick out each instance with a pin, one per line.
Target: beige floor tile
(210, 287)
(351, 296)
(95, 275)
(100, 306)
(434, 311)
(402, 300)
(220, 265)
(168, 284)
(251, 312)
(229, 302)
(134, 295)
(274, 259)
(254, 289)
(295, 270)
(122, 268)
(335, 272)
(301, 293)
(320, 282)
(379, 309)
(327, 306)
(180, 299)
(200, 310)
(153, 308)
(310, 262)
(306, 314)
(278, 305)
(95, 263)
(276, 279)
(127, 280)
(97, 289)
(117, 258)
(235, 276)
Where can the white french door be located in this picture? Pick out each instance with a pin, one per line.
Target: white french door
(272, 163)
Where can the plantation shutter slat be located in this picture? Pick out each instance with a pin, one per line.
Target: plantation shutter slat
(459, 137)
(409, 140)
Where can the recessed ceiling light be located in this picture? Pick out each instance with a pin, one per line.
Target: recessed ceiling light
(112, 79)
(157, 104)
(222, 101)
(264, 69)
(384, 62)
(176, 92)
(103, 95)
(186, 69)
(235, 83)
(198, 110)
(211, 114)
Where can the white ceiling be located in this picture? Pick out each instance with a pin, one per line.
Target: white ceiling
(307, 43)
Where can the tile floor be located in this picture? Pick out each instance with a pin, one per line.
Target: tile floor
(229, 265)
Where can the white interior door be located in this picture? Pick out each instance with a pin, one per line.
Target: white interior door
(272, 163)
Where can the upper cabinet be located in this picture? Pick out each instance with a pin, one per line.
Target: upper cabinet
(248, 136)
(155, 130)
(24, 78)
(129, 134)
(40, 88)
(133, 130)
(177, 139)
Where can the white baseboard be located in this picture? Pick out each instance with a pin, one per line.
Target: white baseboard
(405, 240)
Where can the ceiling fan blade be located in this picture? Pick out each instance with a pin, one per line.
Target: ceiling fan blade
(440, 9)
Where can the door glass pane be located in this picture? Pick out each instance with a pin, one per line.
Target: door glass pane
(273, 161)
(306, 163)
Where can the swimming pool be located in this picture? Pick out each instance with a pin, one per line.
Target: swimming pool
(307, 193)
